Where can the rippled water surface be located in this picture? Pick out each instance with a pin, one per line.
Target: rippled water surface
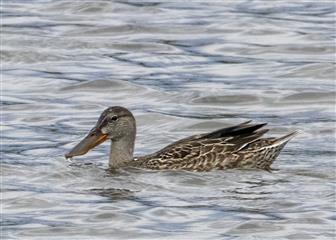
(182, 67)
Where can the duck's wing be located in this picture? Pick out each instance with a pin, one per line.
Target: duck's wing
(220, 133)
(233, 133)
(222, 141)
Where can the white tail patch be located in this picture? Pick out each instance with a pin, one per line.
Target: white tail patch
(285, 139)
(278, 142)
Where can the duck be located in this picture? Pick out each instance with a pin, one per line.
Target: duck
(240, 146)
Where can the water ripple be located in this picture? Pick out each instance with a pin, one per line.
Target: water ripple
(182, 68)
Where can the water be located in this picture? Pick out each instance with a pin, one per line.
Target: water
(182, 67)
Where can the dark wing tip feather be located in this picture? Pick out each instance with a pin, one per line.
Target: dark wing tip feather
(248, 129)
(243, 128)
(244, 140)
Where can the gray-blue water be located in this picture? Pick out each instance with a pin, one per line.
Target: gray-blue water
(182, 67)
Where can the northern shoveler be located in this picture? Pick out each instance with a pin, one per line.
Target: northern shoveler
(239, 146)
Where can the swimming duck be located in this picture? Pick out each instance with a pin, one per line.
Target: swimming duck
(239, 146)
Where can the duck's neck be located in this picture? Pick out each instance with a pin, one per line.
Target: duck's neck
(122, 151)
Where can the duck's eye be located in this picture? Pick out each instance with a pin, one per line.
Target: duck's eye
(114, 118)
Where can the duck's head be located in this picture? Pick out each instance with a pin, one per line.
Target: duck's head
(114, 123)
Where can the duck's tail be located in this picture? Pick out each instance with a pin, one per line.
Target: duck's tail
(284, 139)
(264, 151)
(273, 150)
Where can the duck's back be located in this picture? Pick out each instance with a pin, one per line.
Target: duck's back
(240, 146)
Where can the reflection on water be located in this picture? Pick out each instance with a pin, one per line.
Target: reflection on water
(182, 68)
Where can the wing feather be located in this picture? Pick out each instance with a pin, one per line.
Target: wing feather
(223, 140)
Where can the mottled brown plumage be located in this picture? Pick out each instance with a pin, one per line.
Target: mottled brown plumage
(239, 146)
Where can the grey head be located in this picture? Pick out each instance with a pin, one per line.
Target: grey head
(115, 123)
